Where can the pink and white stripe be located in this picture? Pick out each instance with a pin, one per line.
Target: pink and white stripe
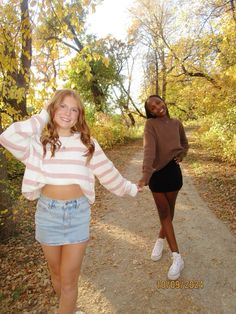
(68, 166)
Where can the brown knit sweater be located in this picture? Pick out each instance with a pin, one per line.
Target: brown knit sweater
(164, 139)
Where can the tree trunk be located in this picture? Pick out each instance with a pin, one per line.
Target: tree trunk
(164, 75)
(98, 95)
(156, 74)
(23, 78)
(20, 78)
(131, 117)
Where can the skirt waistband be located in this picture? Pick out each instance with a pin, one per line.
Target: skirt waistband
(43, 197)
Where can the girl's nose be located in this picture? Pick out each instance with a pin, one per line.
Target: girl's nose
(67, 111)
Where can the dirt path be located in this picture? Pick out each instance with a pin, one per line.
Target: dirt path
(119, 277)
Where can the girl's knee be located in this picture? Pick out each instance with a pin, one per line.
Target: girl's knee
(69, 287)
(163, 213)
(55, 271)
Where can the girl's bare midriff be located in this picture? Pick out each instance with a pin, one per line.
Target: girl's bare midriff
(62, 192)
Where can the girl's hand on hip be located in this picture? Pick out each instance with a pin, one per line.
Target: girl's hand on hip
(177, 159)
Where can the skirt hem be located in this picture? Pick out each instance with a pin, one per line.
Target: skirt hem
(65, 243)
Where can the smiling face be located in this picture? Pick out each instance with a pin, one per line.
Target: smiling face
(156, 107)
(66, 115)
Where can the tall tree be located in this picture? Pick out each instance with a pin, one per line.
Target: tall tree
(123, 56)
(15, 63)
(92, 66)
(153, 19)
(160, 28)
(15, 55)
(62, 24)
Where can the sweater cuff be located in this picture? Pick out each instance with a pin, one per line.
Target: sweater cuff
(133, 190)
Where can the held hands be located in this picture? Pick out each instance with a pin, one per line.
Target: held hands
(140, 185)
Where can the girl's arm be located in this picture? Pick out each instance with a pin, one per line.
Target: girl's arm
(149, 147)
(183, 141)
(17, 137)
(108, 175)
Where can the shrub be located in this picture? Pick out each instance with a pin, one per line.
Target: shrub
(218, 134)
(109, 130)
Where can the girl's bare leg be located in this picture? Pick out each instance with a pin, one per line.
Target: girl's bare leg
(171, 197)
(164, 211)
(71, 261)
(53, 257)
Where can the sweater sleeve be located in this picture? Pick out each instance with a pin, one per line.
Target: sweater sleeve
(109, 176)
(149, 146)
(17, 137)
(183, 141)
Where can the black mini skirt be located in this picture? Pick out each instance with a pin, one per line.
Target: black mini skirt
(167, 179)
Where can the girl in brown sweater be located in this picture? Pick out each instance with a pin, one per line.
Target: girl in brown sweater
(165, 145)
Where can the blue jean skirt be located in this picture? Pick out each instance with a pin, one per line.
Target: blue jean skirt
(59, 222)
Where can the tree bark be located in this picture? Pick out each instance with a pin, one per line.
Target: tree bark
(164, 74)
(21, 78)
(156, 74)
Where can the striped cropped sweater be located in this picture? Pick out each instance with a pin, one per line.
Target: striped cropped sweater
(68, 166)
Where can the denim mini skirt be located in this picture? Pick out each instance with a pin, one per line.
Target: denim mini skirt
(59, 222)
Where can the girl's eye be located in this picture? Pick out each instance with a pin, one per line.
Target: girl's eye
(75, 110)
(62, 105)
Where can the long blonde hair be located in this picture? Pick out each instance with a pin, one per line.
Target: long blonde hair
(51, 135)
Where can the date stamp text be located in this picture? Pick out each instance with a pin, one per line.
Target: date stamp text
(180, 284)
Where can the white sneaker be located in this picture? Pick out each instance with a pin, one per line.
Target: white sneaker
(157, 250)
(79, 312)
(176, 267)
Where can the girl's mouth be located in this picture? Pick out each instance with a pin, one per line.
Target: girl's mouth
(65, 119)
(162, 110)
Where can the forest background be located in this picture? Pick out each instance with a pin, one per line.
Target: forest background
(183, 50)
(186, 53)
